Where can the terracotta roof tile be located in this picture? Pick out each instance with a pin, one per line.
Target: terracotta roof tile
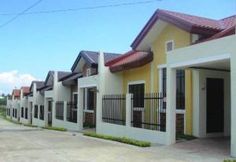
(195, 20)
(26, 90)
(190, 23)
(16, 92)
(130, 60)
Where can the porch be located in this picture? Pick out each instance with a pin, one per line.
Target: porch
(87, 99)
(212, 67)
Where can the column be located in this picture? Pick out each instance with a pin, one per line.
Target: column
(171, 106)
(80, 109)
(233, 105)
(128, 110)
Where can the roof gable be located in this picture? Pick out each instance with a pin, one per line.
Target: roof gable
(49, 79)
(91, 58)
(190, 23)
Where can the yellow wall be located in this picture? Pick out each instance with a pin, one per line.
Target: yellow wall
(188, 101)
(149, 73)
(137, 74)
(181, 39)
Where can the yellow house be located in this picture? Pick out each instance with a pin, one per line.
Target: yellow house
(143, 69)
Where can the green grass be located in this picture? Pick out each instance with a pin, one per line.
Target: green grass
(55, 128)
(30, 125)
(120, 139)
(87, 125)
(229, 161)
(184, 136)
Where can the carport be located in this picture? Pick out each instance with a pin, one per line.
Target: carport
(213, 66)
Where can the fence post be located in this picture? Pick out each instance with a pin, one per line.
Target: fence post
(65, 111)
(128, 110)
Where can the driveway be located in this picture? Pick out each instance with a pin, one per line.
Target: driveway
(19, 143)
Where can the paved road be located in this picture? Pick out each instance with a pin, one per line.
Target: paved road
(19, 143)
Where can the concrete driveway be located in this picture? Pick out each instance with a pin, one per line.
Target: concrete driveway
(19, 143)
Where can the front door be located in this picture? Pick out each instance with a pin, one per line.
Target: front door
(215, 105)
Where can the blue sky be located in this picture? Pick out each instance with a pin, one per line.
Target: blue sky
(33, 44)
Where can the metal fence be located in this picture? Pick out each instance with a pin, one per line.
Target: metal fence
(114, 109)
(60, 110)
(148, 111)
(71, 112)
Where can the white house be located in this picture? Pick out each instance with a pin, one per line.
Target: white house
(24, 110)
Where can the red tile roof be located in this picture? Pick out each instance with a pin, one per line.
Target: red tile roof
(131, 59)
(16, 92)
(190, 23)
(210, 28)
(26, 90)
(224, 33)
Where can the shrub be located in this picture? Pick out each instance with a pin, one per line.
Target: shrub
(55, 128)
(120, 139)
(229, 160)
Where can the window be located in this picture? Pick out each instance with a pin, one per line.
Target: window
(169, 45)
(41, 112)
(138, 94)
(164, 81)
(180, 89)
(163, 87)
(75, 98)
(88, 72)
(22, 112)
(15, 113)
(90, 97)
(60, 110)
(36, 111)
(72, 109)
(26, 113)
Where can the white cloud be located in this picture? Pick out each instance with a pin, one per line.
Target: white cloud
(13, 79)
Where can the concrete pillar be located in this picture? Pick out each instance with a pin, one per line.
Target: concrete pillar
(46, 112)
(233, 105)
(171, 106)
(128, 110)
(55, 86)
(80, 112)
(65, 111)
(100, 88)
(53, 111)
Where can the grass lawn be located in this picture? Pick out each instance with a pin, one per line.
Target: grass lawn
(119, 139)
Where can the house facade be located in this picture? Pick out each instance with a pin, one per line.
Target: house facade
(36, 104)
(13, 105)
(155, 69)
(24, 110)
(177, 79)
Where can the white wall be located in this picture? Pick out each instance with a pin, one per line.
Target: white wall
(199, 101)
(38, 99)
(110, 83)
(59, 93)
(219, 49)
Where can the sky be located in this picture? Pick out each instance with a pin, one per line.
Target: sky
(31, 45)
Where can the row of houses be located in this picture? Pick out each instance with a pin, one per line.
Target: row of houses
(179, 78)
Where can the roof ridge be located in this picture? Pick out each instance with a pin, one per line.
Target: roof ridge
(182, 13)
(227, 17)
(120, 57)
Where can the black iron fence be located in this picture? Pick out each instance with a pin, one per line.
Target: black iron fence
(71, 112)
(114, 109)
(151, 114)
(60, 110)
